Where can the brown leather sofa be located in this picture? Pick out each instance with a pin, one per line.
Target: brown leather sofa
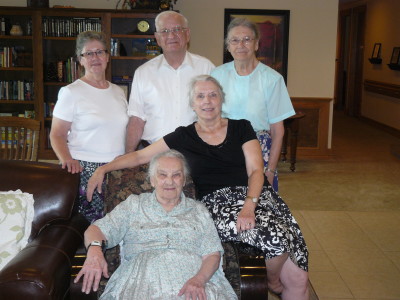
(42, 270)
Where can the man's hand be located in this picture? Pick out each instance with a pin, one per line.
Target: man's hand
(95, 265)
(95, 182)
(194, 289)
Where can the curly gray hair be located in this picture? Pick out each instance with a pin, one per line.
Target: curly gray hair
(169, 153)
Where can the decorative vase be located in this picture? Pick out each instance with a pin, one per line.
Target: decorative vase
(16, 30)
(144, 4)
(37, 3)
(165, 5)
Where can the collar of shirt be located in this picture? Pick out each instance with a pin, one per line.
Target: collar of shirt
(188, 61)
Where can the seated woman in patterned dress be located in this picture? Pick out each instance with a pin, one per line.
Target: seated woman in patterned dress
(170, 244)
(227, 169)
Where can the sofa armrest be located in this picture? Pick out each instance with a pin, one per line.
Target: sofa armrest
(42, 270)
(53, 188)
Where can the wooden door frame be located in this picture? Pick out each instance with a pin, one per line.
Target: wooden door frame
(350, 58)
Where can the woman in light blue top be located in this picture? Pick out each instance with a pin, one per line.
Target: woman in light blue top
(254, 92)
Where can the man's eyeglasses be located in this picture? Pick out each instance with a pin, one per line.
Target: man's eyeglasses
(91, 54)
(174, 31)
(235, 41)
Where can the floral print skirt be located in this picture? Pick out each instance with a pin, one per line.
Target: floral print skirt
(265, 142)
(95, 209)
(276, 231)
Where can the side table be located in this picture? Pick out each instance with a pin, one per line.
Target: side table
(291, 126)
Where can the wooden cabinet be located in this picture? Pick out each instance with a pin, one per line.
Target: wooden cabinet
(47, 55)
(131, 47)
(17, 77)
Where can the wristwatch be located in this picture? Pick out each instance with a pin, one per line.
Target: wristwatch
(101, 244)
(254, 199)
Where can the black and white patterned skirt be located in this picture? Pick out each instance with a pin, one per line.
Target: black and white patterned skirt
(276, 231)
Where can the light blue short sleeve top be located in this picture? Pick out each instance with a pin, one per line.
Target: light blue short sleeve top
(260, 97)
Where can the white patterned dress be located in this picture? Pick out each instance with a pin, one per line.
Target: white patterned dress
(162, 250)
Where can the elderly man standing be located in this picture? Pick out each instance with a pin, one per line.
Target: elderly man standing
(158, 103)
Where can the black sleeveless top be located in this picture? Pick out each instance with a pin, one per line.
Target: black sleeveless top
(214, 167)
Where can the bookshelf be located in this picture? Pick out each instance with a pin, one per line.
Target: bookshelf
(46, 62)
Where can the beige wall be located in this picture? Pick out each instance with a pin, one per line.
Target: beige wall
(312, 37)
(382, 26)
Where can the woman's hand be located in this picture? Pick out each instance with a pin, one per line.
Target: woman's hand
(246, 219)
(194, 289)
(73, 166)
(95, 265)
(270, 177)
(95, 182)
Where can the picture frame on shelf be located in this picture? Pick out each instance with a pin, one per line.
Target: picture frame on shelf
(124, 82)
(395, 59)
(376, 54)
(125, 88)
(274, 36)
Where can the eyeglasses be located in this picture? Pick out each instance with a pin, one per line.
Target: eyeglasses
(90, 54)
(212, 95)
(235, 41)
(174, 31)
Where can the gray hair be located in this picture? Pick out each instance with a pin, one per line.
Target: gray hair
(202, 78)
(86, 36)
(167, 13)
(169, 153)
(245, 23)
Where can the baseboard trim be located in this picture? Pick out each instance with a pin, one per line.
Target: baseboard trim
(393, 131)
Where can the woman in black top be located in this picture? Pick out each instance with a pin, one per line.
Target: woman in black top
(227, 169)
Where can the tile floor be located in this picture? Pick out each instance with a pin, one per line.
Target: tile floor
(354, 247)
(353, 255)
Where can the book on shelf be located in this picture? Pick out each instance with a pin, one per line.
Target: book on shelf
(67, 70)
(15, 56)
(29, 114)
(12, 135)
(3, 21)
(47, 141)
(68, 26)
(48, 109)
(21, 90)
(122, 79)
(124, 82)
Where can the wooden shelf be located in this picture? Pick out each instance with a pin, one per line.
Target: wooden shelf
(16, 69)
(59, 38)
(116, 24)
(133, 36)
(15, 37)
(394, 66)
(375, 61)
(56, 83)
(132, 57)
(22, 102)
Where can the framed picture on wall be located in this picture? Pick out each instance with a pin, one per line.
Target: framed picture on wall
(274, 35)
(395, 56)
